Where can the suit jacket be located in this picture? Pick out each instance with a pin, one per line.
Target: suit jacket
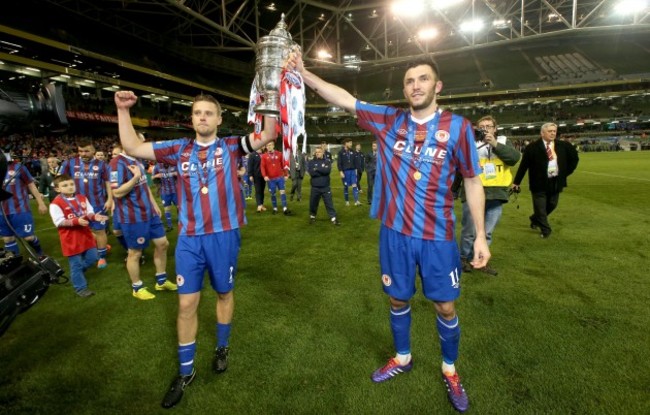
(302, 164)
(535, 161)
(255, 165)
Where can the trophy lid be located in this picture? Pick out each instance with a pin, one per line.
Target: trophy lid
(281, 29)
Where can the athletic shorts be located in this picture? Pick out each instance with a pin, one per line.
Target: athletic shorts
(138, 235)
(216, 252)
(169, 199)
(23, 224)
(350, 177)
(277, 183)
(95, 225)
(117, 226)
(438, 263)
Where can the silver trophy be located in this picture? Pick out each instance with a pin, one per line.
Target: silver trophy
(272, 53)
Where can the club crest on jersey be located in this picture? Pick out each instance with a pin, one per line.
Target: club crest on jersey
(140, 240)
(95, 168)
(386, 280)
(180, 281)
(218, 152)
(442, 136)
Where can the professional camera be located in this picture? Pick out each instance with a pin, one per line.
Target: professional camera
(23, 283)
(44, 106)
(479, 135)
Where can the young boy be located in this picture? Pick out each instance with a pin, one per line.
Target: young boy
(72, 215)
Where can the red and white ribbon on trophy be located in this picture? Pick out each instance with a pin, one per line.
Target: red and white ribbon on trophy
(292, 113)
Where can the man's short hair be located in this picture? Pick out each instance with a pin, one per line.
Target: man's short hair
(487, 118)
(347, 140)
(546, 125)
(207, 98)
(429, 61)
(85, 142)
(61, 178)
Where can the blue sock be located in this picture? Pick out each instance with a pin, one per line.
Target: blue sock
(400, 324)
(12, 247)
(355, 192)
(186, 354)
(283, 198)
(122, 242)
(449, 332)
(274, 201)
(223, 334)
(346, 194)
(136, 287)
(36, 244)
(168, 218)
(101, 252)
(161, 278)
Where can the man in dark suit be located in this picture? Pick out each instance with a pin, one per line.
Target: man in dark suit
(549, 162)
(297, 167)
(255, 176)
(45, 185)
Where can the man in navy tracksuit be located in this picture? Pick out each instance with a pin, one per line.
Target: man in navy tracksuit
(347, 164)
(319, 169)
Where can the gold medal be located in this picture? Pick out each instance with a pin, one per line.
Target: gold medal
(204, 190)
(417, 175)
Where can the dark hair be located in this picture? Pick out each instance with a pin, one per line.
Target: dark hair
(61, 178)
(84, 142)
(429, 61)
(207, 98)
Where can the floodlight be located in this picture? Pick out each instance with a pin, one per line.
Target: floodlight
(627, 7)
(471, 26)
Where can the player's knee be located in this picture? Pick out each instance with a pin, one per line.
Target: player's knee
(134, 254)
(446, 309)
(30, 238)
(397, 304)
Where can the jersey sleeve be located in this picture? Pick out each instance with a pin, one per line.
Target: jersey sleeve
(25, 177)
(116, 174)
(375, 118)
(168, 152)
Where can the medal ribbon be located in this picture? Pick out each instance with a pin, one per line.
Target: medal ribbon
(77, 211)
(415, 160)
(203, 171)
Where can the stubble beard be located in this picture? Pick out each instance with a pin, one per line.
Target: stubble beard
(429, 99)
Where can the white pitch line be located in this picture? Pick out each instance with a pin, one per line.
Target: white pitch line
(614, 175)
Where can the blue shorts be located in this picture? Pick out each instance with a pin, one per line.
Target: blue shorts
(438, 263)
(138, 235)
(216, 252)
(117, 226)
(23, 223)
(98, 226)
(277, 183)
(350, 177)
(169, 199)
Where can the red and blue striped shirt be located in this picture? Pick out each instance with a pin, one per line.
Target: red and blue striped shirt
(16, 182)
(135, 206)
(213, 167)
(168, 176)
(90, 178)
(416, 164)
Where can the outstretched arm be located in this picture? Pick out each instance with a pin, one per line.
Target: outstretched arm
(329, 92)
(133, 146)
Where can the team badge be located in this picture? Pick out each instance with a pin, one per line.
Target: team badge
(386, 280)
(140, 240)
(95, 168)
(218, 151)
(180, 280)
(442, 136)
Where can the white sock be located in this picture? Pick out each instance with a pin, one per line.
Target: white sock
(403, 359)
(448, 369)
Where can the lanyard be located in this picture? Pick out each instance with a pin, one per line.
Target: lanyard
(77, 211)
(203, 174)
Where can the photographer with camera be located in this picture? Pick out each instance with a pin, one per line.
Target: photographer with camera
(497, 156)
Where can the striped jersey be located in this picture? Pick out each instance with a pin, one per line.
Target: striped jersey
(135, 206)
(209, 194)
(416, 165)
(17, 185)
(167, 178)
(90, 179)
